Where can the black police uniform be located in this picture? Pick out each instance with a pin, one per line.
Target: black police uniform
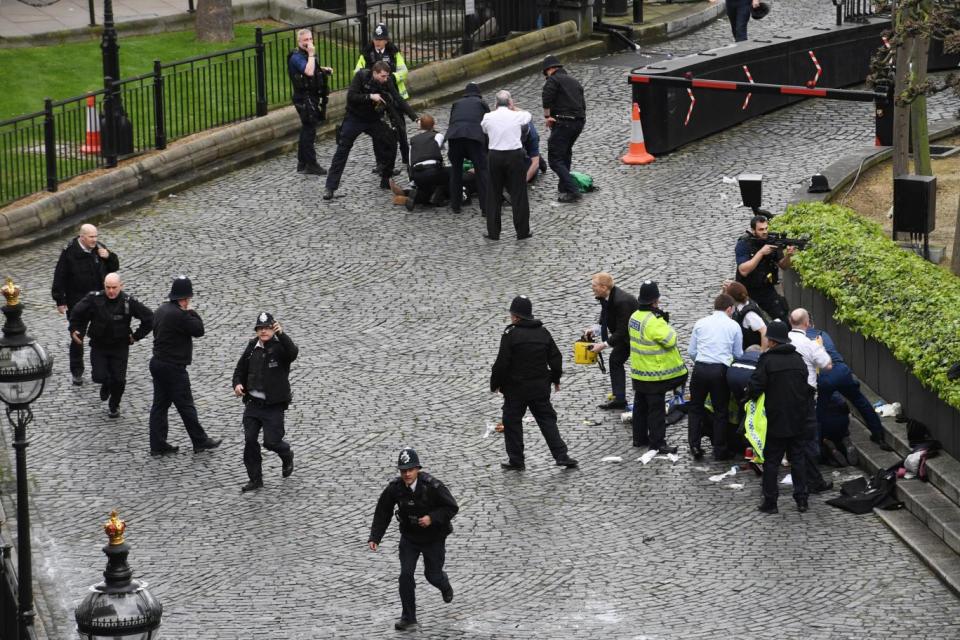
(750, 337)
(110, 338)
(173, 332)
(527, 364)
(264, 371)
(430, 497)
(466, 140)
(761, 282)
(563, 96)
(364, 116)
(79, 272)
(426, 168)
(389, 55)
(310, 99)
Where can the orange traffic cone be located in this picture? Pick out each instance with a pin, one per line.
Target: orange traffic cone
(92, 144)
(637, 151)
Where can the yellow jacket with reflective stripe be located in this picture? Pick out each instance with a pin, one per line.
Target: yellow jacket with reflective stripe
(653, 349)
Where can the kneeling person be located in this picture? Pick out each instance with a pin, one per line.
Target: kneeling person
(429, 176)
(262, 380)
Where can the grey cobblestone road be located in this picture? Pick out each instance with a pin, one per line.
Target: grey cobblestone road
(398, 317)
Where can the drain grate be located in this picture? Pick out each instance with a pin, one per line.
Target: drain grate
(940, 151)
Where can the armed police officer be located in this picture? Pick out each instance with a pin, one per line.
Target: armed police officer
(382, 50)
(309, 97)
(370, 99)
(565, 111)
(425, 508)
(81, 268)
(758, 268)
(108, 314)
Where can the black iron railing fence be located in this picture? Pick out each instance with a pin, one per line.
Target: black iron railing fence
(858, 10)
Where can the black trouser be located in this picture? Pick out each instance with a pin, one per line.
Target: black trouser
(400, 131)
(618, 377)
(306, 153)
(384, 147)
(772, 302)
(508, 169)
(76, 351)
(514, 408)
(563, 135)
(428, 180)
(108, 367)
(810, 445)
(773, 450)
(434, 554)
(459, 149)
(738, 12)
(171, 385)
(258, 416)
(649, 417)
(708, 378)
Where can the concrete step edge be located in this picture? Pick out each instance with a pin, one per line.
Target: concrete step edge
(933, 552)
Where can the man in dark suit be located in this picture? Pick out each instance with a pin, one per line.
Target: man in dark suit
(465, 139)
(616, 307)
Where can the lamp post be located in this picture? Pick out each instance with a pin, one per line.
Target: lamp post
(117, 132)
(24, 368)
(118, 607)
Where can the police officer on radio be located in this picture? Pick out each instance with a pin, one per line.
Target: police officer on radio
(565, 111)
(261, 378)
(758, 268)
(308, 82)
(424, 509)
(108, 314)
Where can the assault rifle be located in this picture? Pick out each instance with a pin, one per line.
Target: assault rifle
(781, 241)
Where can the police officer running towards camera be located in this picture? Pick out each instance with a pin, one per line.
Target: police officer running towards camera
(565, 112)
(758, 267)
(425, 508)
(309, 95)
(108, 314)
(261, 378)
(527, 362)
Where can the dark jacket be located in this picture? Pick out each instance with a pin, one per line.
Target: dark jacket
(528, 361)
(739, 373)
(750, 337)
(109, 320)
(615, 314)
(423, 147)
(79, 272)
(431, 498)
(465, 117)
(173, 332)
(782, 375)
(362, 108)
(279, 352)
(563, 95)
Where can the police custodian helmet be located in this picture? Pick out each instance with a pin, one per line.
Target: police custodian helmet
(408, 459)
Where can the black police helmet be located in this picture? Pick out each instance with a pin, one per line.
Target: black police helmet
(522, 307)
(649, 292)
(760, 11)
(181, 288)
(408, 459)
(264, 320)
(777, 331)
(380, 32)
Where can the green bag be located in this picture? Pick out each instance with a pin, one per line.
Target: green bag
(583, 181)
(755, 426)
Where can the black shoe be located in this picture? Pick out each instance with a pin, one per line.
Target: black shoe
(252, 485)
(489, 237)
(642, 443)
(301, 167)
(525, 236)
(768, 506)
(613, 404)
(288, 466)
(164, 450)
(328, 194)
(114, 413)
(384, 182)
(696, 452)
(209, 443)
(853, 456)
(543, 165)
(513, 466)
(820, 488)
(666, 449)
(104, 392)
(404, 625)
(722, 455)
(876, 438)
(569, 463)
(447, 594)
(568, 197)
(455, 209)
(802, 505)
(834, 456)
(411, 195)
(314, 170)
(78, 379)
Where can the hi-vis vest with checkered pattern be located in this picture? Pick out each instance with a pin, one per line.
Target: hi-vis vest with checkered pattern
(653, 349)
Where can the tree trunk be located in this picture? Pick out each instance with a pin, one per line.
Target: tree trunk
(215, 20)
(901, 115)
(955, 262)
(918, 111)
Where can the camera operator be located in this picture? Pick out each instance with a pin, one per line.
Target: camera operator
(758, 267)
(309, 96)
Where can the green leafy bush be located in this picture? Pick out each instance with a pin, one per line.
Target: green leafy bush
(880, 290)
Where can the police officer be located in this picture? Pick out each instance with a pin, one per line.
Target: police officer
(528, 361)
(758, 268)
(425, 508)
(81, 268)
(466, 140)
(261, 378)
(429, 176)
(565, 111)
(382, 50)
(370, 98)
(108, 314)
(309, 93)
(656, 367)
(175, 325)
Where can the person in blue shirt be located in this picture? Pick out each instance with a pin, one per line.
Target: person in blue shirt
(715, 342)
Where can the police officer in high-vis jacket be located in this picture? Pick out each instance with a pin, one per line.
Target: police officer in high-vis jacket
(656, 367)
(307, 78)
(108, 314)
(424, 509)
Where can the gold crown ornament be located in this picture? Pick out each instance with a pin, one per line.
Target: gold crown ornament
(11, 292)
(114, 528)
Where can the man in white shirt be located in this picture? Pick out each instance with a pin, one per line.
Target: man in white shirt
(508, 167)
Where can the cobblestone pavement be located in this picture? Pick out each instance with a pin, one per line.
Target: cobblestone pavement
(398, 316)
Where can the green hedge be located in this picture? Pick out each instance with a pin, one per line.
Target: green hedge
(881, 291)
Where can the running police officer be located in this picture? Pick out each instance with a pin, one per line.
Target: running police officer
(309, 96)
(108, 314)
(82, 266)
(528, 361)
(758, 268)
(424, 510)
(382, 50)
(261, 378)
(565, 111)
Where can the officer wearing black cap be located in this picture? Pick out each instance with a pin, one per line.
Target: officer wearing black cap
(261, 378)
(565, 111)
(175, 325)
(425, 508)
(528, 361)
